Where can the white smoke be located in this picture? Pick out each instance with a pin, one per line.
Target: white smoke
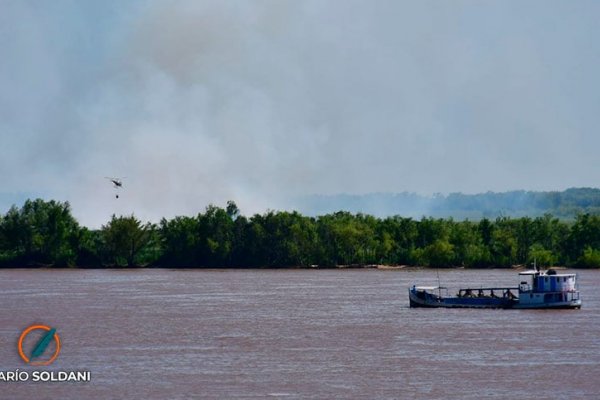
(199, 102)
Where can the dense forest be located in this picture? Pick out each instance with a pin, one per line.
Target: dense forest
(44, 233)
(565, 205)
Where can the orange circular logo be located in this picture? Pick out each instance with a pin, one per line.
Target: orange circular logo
(45, 337)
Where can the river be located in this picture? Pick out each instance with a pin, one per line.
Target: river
(293, 334)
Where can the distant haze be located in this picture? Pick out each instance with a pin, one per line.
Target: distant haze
(566, 205)
(199, 102)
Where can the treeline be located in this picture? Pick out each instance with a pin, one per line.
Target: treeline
(45, 233)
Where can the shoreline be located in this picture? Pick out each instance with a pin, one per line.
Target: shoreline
(381, 267)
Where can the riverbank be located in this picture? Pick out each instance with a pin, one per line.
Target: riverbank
(382, 267)
(223, 237)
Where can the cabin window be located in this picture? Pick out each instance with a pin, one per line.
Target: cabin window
(564, 278)
(546, 279)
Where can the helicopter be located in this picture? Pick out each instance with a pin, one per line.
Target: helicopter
(117, 182)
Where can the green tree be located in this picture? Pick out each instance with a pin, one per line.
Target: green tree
(485, 229)
(404, 234)
(89, 248)
(40, 232)
(585, 233)
(179, 241)
(386, 246)
(439, 254)
(466, 242)
(503, 245)
(232, 209)
(523, 233)
(348, 239)
(590, 258)
(15, 237)
(541, 256)
(215, 233)
(283, 239)
(241, 244)
(477, 255)
(125, 239)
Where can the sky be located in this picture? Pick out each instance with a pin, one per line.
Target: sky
(199, 102)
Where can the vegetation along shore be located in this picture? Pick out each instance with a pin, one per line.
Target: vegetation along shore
(44, 233)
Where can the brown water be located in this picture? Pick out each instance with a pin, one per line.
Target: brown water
(252, 334)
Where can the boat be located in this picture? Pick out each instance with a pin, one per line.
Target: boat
(537, 289)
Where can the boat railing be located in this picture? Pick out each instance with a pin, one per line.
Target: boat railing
(489, 292)
(574, 295)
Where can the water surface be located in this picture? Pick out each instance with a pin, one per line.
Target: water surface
(254, 334)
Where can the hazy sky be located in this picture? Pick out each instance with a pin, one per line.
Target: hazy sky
(258, 101)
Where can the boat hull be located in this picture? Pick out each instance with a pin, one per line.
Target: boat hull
(457, 302)
(433, 301)
(575, 304)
